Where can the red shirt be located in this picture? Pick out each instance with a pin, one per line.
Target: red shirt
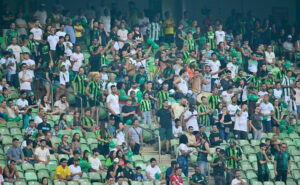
(177, 179)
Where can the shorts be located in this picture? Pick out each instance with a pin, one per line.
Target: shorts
(274, 123)
(46, 83)
(78, 100)
(165, 134)
(238, 134)
(94, 103)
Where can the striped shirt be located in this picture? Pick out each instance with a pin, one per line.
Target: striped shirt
(255, 82)
(204, 119)
(229, 152)
(145, 105)
(154, 29)
(213, 101)
(286, 81)
(162, 96)
(211, 39)
(80, 83)
(191, 45)
(95, 89)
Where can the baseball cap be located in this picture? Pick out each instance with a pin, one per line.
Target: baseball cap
(116, 160)
(290, 36)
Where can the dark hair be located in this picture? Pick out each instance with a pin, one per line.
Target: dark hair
(183, 139)
(28, 142)
(61, 117)
(73, 139)
(112, 86)
(15, 139)
(119, 85)
(262, 145)
(111, 155)
(95, 150)
(138, 168)
(84, 153)
(62, 160)
(152, 159)
(182, 71)
(126, 162)
(177, 120)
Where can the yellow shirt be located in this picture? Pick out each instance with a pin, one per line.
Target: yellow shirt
(78, 33)
(63, 172)
(169, 30)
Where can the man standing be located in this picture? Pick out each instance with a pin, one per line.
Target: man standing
(25, 79)
(241, 123)
(287, 83)
(112, 103)
(262, 160)
(15, 152)
(165, 126)
(266, 111)
(233, 155)
(282, 163)
(79, 85)
(197, 178)
(204, 112)
(203, 151)
(218, 166)
(42, 154)
(135, 136)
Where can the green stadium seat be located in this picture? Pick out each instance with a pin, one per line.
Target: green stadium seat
(163, 168)
(246, 166)
(56, 140)
(8, 183)
(55, 118)
(136, 183)
(20, 183)
(294, 136)
(248, 150)
(147, 183)
(85, 183)
(90, 135)
(291, 182)
(12, 125)
(244, 142)
(137, 158)
(60, 156)
(30, 176)
(39, 166)
(97, 183)
(64, 132)
(270, 166)
(251, 175)
(279, 183)
(103, 175)
(27, 167)
(142, 165)
(77, 131)
(59, 183)
(94, 176)
(6, 140)
(101, 157)
(255, 142)
(4, 131)
(294, 166)
(268, 183)
(252, 158)
(85, 147)
(283, 135)
(83, 141)
(254, 165)
(296, 152)
(72, 183)
(125, 183)
(15, 131)
(6, 147)
(43, 174)
(92, 141)
(146, 158)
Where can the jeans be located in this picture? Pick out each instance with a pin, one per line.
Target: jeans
(257, 135)
(183, 164)
(219, 180)
(223, 134)
(267, 126)
(203, 167)
(147, 117)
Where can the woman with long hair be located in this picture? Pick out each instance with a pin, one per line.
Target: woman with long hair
(76, 146)
(103, 138)
(110, 160)
(62, 123)
(184, 152)
(84, 162)
(64, 147)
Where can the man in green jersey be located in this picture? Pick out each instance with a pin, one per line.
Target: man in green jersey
(203, 113)
(198, 178)
(262, 160)
(11, 33)
(163, 95)
(233, 155)
(282, 163)
(79, 86)
(93, 90)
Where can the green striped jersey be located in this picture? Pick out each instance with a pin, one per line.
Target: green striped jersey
(286, 81)
(95, 89)
(162, 96)
(145, 105)
(213, 101)
(80, 83)
(204, 119)
(154, 29)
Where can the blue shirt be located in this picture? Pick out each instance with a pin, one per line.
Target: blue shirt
(111, 129)
(44, 128)
(69, 30)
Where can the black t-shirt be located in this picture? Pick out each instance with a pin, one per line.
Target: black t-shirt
(117, 65)
(128, 173)
(112, 169)
(165, 118)
(227, 118)
(219, 170)
(127, 109)
(49, 143)
(60, 50)
(45, 128)
(94, 60)
(226, 84)
(44, 49)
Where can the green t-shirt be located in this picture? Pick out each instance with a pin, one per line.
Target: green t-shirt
(199, 179)
(262, 168)
(168, 71)
(27, 152)
(282, 159)
(10, 34)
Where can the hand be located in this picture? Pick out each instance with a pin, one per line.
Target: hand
(91, 96)
(75, 93)
(289, 171)
(158, 125)
(254, 130)
(219, 163)
(275, 173)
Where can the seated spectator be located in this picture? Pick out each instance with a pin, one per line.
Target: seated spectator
(111, 126)
(95, 162)
(42, 154)
(31, 130)
(37, 141)
(28, 153)
(62, 123)
(1, 176)
(12, 110)
(153, 172)
(64, 147)
(49, 143)
(215, 137)
(127, 172)
(115, 170)
(135, 136)
(176, 179)
(238, 178)
(44, 127)
(198, 178)
(55, 132)
(109, 161)
(76, 146)
(39, 117)
(76, 155)
(84, 162)
(75, 170)
(88, 122)
(191, 137)
(171, 171)
(15, 153)
(31, 100)
(11, 173)
(62, 104)
(44, 181)
(138, 176)
(77, 124)
(62, 172)
(177, 129)
(122, 158)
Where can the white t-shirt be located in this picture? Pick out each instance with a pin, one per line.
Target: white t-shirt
(38, 120)
(177, 131)
(17, 50)
(74, 170)
(237, 182)
(153, 171)
(109, 86)
(182, 147)
(226, 97)
(106, 21)
(262, 93)
(192, 121)
(95, 162)
(67, 64)
(142, 22)
(25, 85)
(12, 69)
(266, 108)
(64, 77)
(68, 50)
(220, 36)
(37, 33)
(215, 66)
(241, 122)
(123, 35)
(277, 93)
(232, 109)
(53, 40)
(233, 68)
(22, 103)
(269, 57)
(77, 58)
(113, 101)
(29, 63)
(42, 154)
(60, 33)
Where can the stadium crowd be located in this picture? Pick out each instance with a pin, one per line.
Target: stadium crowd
(80, 90)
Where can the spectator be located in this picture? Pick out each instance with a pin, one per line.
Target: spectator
(256, 124)
(31, 130)
(139, 176)
(176, 179)
(28, 152)
(238, 179)
(42, 154)
(70, 30)
(282, 163)
(44, 127)
(76, 155)
(262, 161)
(103, 138)
(15, 153)
(171, 171)
(198, 178)
(225, 123)
(115, 171)
(88, 123)
(218, 166)
(153, 172)
(203, 150)
(62, 172)
(215, 137)
(76, 172)
(84, 162)
(64, 146)
(95, 162)
(62, 104)
(128, 173)
(135, 136)
(109, 161)
(76, 146)
(165, 126)
(241, 123)
(183, 155)
(177, 129)
(233, 155)
(11, 173)
(266, 110)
